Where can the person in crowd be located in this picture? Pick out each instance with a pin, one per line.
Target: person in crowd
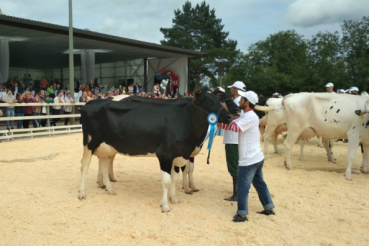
(156, 89)
(43, 83)
(26, 79)
(9, 98)
(84, 97)
(57, 89)
(76, 85)
(37, 84)
(329, 87)
(50, 91)
(19, 110)
(28, 109)
(57, 107)
(176, 92)
(22, 89)
(37, 111)
(15, 89)
(124, 90)
(68, 109)
(354, 90)
(130, 89)
(89, 96)
(137, 88)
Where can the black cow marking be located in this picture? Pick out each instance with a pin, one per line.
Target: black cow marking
(358, 112)
(338, 111)
(353, 128)
(367, 124)
(363, 124)
(326, 111)
(176, 169)
(331, 107)
(325, 120)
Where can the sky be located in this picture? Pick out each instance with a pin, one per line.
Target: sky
(247, 21)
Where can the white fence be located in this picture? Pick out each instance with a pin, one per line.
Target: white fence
(41, 131)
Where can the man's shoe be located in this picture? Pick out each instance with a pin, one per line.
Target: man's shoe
(267, 212)
(239, 218)
(231, 199)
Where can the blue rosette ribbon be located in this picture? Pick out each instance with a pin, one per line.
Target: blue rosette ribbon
(212, 120)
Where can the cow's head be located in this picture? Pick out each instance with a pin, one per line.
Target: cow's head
(209, 103)
(225, 96)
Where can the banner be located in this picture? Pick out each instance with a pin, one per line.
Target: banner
(176, 68)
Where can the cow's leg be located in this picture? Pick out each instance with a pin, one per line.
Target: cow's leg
(320, 143)
(185, 183)
(353, 142)
(111, 170)
(269, 133)
(274, 139)
(262, 131)
(302, 144)
(174, 178)
(190, 174)
(105, 165)
(364, 168)
(100, 176)
(166, 166)
(292, 136)
(328, 148)
(85, 162)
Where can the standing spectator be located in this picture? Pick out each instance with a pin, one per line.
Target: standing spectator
(50, 91)
(57, 89)
(176, 92)
(9, 98)
(57, 107)
(22, 89)
(230, 140)
(90, 85)
(76, 85)
(28, 109)
(37, 84)
(26, 80)
(19, 110)
(124, 91)
(97, 90)
(37, 111)
(68, 109)
(130, 89)
(15, 89)
(137, 88)
(156, 89)
(43, 83)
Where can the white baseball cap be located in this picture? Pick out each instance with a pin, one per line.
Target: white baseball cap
(330, 84)
(239, 85)
(354, 89)
(342, 90)
(275, 94)
(251, 96)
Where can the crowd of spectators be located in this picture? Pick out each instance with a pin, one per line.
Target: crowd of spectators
(42, 91)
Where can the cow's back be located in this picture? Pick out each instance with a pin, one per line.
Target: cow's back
(330, 115)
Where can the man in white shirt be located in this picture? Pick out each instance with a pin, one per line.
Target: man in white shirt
(251, 158)
(230, 139)
(329, 87)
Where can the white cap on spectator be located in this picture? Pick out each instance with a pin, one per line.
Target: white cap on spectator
(251, 96)
(342, 90)
(275, 94)
(330, 84)
(239, 85)
(354, 89)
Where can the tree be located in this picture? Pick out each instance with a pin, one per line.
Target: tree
(355, 43)
(278, 63)
(326, 61)
(197, 28)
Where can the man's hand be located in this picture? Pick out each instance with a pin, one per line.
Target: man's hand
(224, 105)
(236, 116)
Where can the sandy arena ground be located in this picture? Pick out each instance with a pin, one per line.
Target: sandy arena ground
(315, 205)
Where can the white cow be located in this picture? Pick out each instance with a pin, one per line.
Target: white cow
(331, 116)
(276, 124)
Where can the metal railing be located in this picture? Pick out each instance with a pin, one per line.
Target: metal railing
(40, 131)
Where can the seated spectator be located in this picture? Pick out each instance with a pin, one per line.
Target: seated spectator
(83, 97)
(37, 111)
(9, 98)
(28, 109)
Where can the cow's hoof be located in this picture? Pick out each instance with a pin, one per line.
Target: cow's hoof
(189, 192)
(102, 187)
(195, 190)
(165, 209)
(113, 180)
(348, 178)
(82, 195)
(174, 200)
(364, 171)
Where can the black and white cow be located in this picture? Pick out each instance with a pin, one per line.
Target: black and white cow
(171, 130)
